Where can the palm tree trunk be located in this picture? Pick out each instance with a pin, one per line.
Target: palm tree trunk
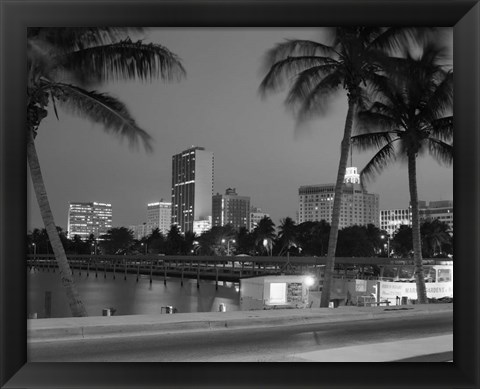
(76, 305)
(337, 204)
(417, 245)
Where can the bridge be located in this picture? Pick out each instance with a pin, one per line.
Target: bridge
(218, 268)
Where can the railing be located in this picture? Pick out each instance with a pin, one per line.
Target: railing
(224, 268)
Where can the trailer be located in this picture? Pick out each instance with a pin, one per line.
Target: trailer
(270, 292)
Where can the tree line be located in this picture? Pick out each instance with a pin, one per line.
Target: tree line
(305, 239)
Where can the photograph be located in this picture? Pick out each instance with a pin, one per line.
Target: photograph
(207, 174)
(206, 189)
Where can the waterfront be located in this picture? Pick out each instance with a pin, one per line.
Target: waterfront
(129, 297)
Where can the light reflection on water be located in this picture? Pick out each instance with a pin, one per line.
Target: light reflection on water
(129, 297)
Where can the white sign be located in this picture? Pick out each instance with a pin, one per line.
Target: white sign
(360, 285)
(390, 290)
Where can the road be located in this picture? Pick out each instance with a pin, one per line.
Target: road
(281, 343)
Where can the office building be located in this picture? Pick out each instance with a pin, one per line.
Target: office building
(441, 210)
(88, 218)
(358, 206)
(256, 214)
(392, 219)
(230, 208)
(159, 215)
(192, 187)
(139, 231)
(201, 226)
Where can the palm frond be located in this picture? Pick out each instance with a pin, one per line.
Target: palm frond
(316, 102)
(102, 109)
(281, 72)
(124, 60)
(67, 39)
(384, 157)
(442, 128)
(387, 109)
(441, 151)
(370, 33)
(381, 87)
(296, 48)
(372, 140)
(441, 100)
(364, 99)
(367, 121)
(396, 40)
(305, 83)
(432, 56)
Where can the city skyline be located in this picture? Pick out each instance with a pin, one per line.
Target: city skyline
(217, 107)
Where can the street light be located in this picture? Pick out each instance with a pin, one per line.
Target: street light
(34, 251)
(196, 246)
(228, 244)
(309, 281)
(146, 247)
(387, 244)
(265, 244)
(94, 246)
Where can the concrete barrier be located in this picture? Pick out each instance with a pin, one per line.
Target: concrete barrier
(40, 330)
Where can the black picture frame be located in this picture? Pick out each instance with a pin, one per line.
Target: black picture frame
(16, 16)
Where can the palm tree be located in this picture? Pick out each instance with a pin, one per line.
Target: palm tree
(313, 237)
(321, 71)
(156, 241)
(188, 240)
(435, 234)
(62, 62)
(265, 234)
(402, 242)
(287, 235)
(117, 240)
(175, 240)
(374, 235)
(411, 115)
(245, 242)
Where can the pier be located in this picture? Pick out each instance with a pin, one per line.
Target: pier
(218, 268)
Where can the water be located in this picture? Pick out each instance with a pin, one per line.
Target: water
(129, 297)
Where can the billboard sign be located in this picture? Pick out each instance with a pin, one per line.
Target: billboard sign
(392, 290)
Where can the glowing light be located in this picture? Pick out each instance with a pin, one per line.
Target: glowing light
(309, 281)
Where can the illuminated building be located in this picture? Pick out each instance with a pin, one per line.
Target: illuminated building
(89, 218)
(441, 210)
(159, 215)
(392, 219)
(192, 187)
(201, 226)
(232, 209)
(139, 231)
(358, 206)
(256, 215)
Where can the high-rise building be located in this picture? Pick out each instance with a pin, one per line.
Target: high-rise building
(256, 215)
(441, 210)
(358, 206)
(159, 215)
(89, 218)
(232, 209)
(139, 231)
(192, 187)
(201, 226)
(392, 219)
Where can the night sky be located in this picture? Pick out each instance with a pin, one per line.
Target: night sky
(256, 147)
